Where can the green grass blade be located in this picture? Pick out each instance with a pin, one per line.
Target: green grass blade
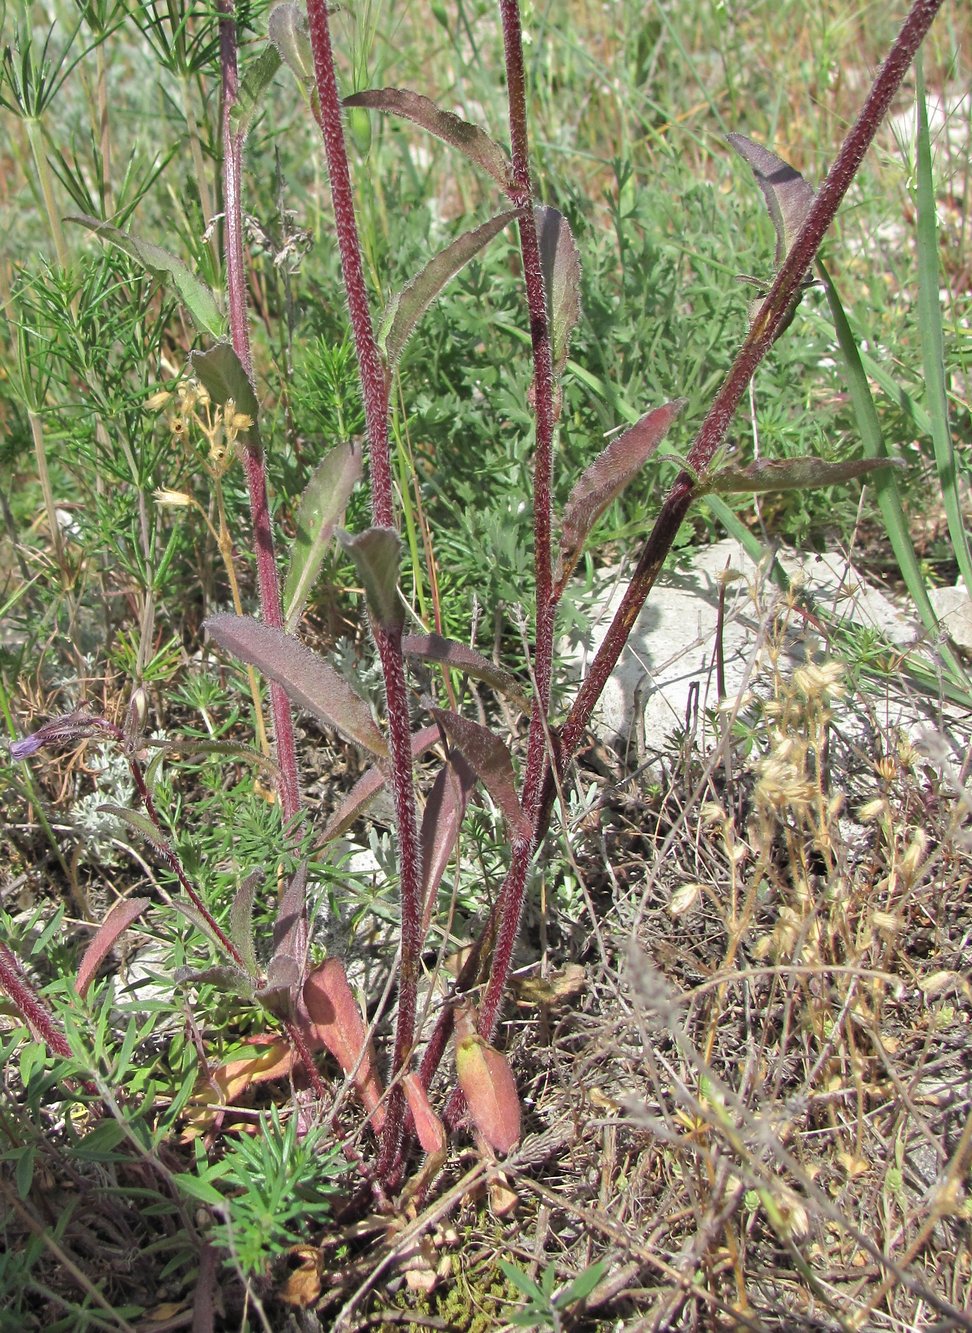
(885, 485)
(932, 338)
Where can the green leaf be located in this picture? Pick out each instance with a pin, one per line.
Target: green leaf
(561, 280)
(221, 373)
(792, 474)
(377, 554)
(257, 78)
(287, 30)
(197, 297)
(321, 506)
(308, 680)
(460, 657)
(524, 1284)
(451, 129)
(886, 490)
(582, 1285)
(198, 1189)
(407, 307)
(933, 341)
(241, 919)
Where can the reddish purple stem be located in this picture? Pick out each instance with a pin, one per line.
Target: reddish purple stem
(374, 388)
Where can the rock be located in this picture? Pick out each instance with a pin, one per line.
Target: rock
(667, 679)
(953, 606)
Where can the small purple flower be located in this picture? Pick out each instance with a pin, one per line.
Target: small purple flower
(71, 727)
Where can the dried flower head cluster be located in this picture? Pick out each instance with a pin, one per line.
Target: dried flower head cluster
(192, 416)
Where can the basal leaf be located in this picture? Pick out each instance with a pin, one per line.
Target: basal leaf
(451, 129)
(118, 920)
(489, 1088)
(167, 268)
(321, 507)
(788, 196)
(377, 554)
(336, 1024)
(604, 479)
(407, 307)
(308, 680)
(459, 656)
(492, 762)
(429, 1129)
(221, 373)
(791, 474)
(561, 277)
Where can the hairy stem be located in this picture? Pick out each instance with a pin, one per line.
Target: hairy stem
(374, 389)
(253, 461)
(772, 319)
(29, 1005)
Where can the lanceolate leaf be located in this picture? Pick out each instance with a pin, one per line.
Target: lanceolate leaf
(221, 373)
(118, 920)
(469, 139)
(369, 785)
(492, 762)
(459, 656)
(407, 307)
(607, 477)
(377, 554)
(336, 1024)
(137, 821)
(429, 1129)
(321, 507)
(561, 278)
(286, 966)
(257, 78)
(788, 196)
(441, 822)
(791, 474)
(488, 1086)
(197, 297)
(241, 919)
(287, 30)
(308, 680)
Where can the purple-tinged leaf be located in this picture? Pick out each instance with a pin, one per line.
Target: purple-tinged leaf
(788, 196)
(561, 280)
(429, 1129)
(241, 920)
(377, 554)
(792, 474)
(308, 680)
(367, 788)
(441, 821)
(287, 964)
(459, 656)
(118, 920)
(336, 1024)
(220, 371)
(481, 150)
(287, 31)
(136, 820)
(321, 508)
(407, 307)
(492, 762)
(163, 266)
(604, 479)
